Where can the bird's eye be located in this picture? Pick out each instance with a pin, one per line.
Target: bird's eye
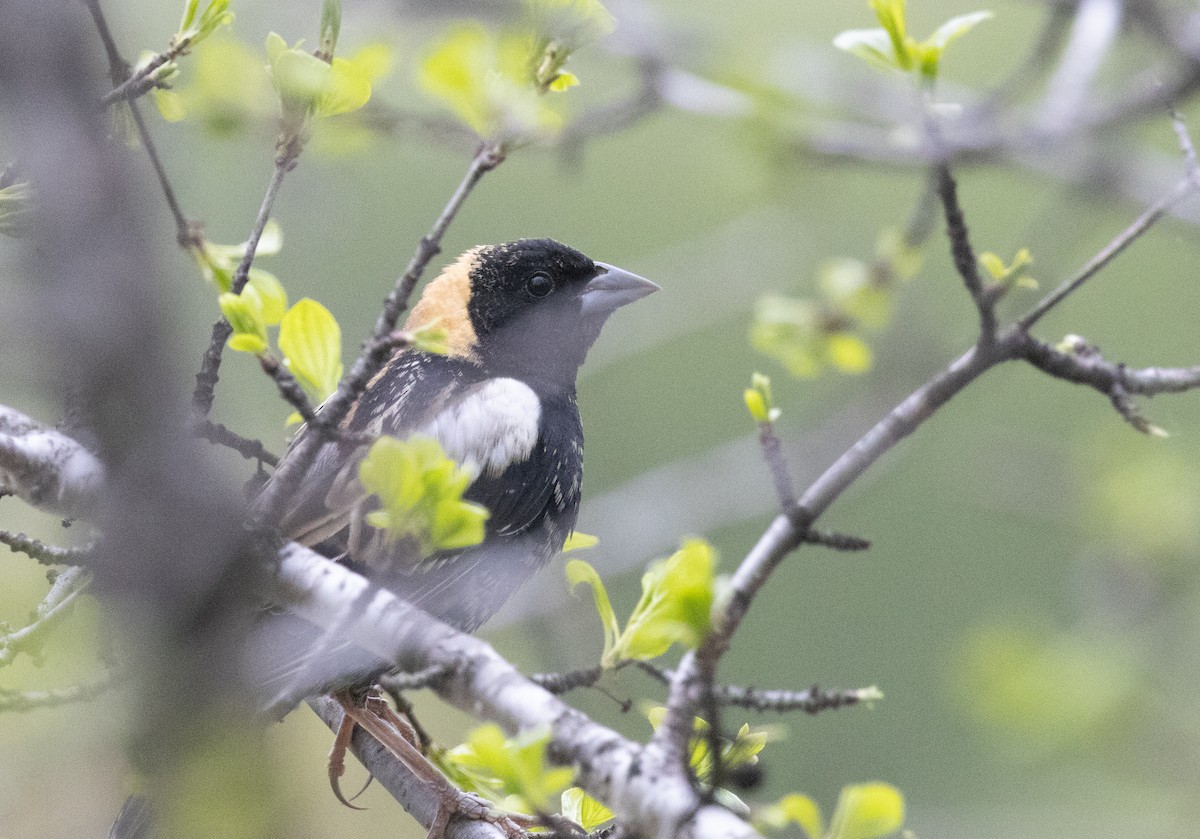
(539, 285)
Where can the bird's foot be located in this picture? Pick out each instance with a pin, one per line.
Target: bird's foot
(396, 735)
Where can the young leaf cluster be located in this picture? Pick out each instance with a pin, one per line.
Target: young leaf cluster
(419, 492)
(892, 48)
(510, 771)
(494, 80)
(675, 606)
(312, 87)
(810, 335)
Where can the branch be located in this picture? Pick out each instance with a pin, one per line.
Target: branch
(40, 551)
(218, 434)
(55, 606)
(643, 787)
(965, 261)
(811, 701)
(640, 783)
(46, 468)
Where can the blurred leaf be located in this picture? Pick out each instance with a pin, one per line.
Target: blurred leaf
(1048, 691)
(848, 353)
(792, 809)
(873, 46)
(867, 811)
(169, 104)
(420, 495)
(955, 28)
(584, 810)
(431, 338)
(311, 342)
(195, 29)
(229, 88)
(485, 79)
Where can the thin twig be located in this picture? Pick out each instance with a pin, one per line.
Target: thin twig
(210, 365)
(836, 541)
(965, 261)
(42, 552)
(218, 434)
(139, 83)
(289, 388)
(811, 701)
(772, 451)
(56, 605)
(118, 69)
(15, 701)
(1183, 189)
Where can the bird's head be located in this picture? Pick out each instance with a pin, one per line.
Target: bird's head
(530, 308)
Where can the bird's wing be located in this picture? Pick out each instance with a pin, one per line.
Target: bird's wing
(488, 425)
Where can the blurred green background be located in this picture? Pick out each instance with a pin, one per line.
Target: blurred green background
(1031, 606)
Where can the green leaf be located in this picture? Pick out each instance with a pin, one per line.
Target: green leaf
(793, 808)
(891, 17)
(571, 23)
(270, 292)
(513, 767)
(580, 541)
(955, 28)
(420, 495)
(16, 209)
(431, 338)
(245, 314)
(993, 264)
(675, 606)
(311, 342)
(848, 353)
(584, 810)
(867, 811)
(347, 88)
(484, 78)
(563, 81)
(873, 46)
(194, 30)
(579, 571)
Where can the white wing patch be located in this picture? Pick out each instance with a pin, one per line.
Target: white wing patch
(490, 429)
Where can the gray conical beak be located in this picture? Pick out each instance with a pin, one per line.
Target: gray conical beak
(613, 288)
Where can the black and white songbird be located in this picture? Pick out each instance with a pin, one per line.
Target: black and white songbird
(520, 319)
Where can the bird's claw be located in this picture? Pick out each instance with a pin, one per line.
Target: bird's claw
(466, 805)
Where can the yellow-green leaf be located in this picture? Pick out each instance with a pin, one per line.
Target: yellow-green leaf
(244, 313)
(579, 571)
(675, 606)
(311, 342)
(580, 541)
(793, 808)
(867, 811)
(270, 291)
(848, 353)
(584, 810)
(420, 495)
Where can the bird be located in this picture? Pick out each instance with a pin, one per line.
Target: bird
(519, 319)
